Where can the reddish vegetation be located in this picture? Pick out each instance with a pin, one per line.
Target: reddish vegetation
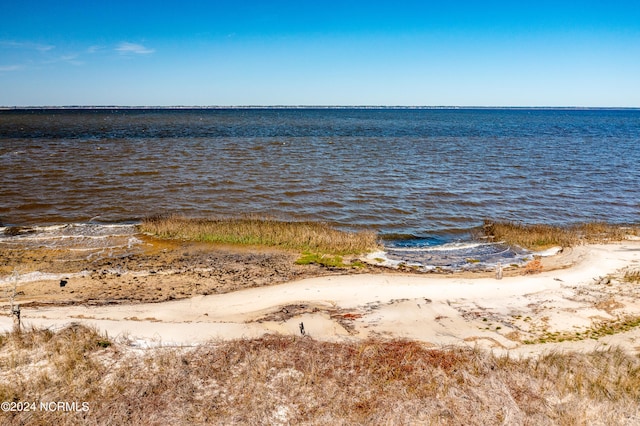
(533, 267)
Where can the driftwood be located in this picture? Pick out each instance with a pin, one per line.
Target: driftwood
(15, 312)
(15, 309)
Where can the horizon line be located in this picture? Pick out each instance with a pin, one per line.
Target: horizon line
(219, 107)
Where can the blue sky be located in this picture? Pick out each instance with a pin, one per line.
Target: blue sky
(491, 53)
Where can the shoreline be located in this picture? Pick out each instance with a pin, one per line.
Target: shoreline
(103, 244)
(561, 308)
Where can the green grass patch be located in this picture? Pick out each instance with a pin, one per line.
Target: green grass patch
(321, 259)
(327, 260)
(103, 343)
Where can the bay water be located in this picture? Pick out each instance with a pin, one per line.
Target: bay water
(422, 178)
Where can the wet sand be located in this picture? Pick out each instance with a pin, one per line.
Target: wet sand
(160, 270)
(200, 293)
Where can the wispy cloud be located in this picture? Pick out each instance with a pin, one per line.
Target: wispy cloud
(31, 55)
(26, 45)
(133, 48)
(71, 59)
(4, 68)
(44, 48)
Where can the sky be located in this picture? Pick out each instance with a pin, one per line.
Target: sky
(235, 53)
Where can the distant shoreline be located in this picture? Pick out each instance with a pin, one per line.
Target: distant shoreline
(311, 107)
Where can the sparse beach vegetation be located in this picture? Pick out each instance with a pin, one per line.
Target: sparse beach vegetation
(632, 276)
(295, 380)
(604, 328)
(304, 237)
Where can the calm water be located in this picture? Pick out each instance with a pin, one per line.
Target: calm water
(431, 174)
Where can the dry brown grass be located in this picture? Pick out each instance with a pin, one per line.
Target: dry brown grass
(632, 276)
(601, 232)
(317, 237)
(530, 236)
(286, 380)
(538, 237)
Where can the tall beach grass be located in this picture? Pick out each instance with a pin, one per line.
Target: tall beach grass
(317, 237)
(294, 380)
(540, 236)
(320, 237)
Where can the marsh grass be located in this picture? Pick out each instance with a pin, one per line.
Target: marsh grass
(313, 237)
(539, 237)
(289, 380)
(601, 232)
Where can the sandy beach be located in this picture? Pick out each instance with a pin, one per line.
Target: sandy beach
(580, 301)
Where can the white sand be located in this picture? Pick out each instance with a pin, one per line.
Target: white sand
(440, 310)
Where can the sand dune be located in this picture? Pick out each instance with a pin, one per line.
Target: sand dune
(514, 314)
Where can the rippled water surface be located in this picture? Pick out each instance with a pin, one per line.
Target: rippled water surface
(424, 173)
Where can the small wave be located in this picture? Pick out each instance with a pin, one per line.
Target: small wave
(458, 246)
(549, 252)
(398, 237)
(448, 263)
(34, 206)
(49, 227)
(131, 242)
(69, 237)
(77, 236)
(140, 173)
(452, 255)
(380, 258)
(70, 226)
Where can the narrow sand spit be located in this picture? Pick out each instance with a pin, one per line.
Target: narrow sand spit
(519, 314)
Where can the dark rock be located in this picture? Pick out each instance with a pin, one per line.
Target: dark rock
(12, 231)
